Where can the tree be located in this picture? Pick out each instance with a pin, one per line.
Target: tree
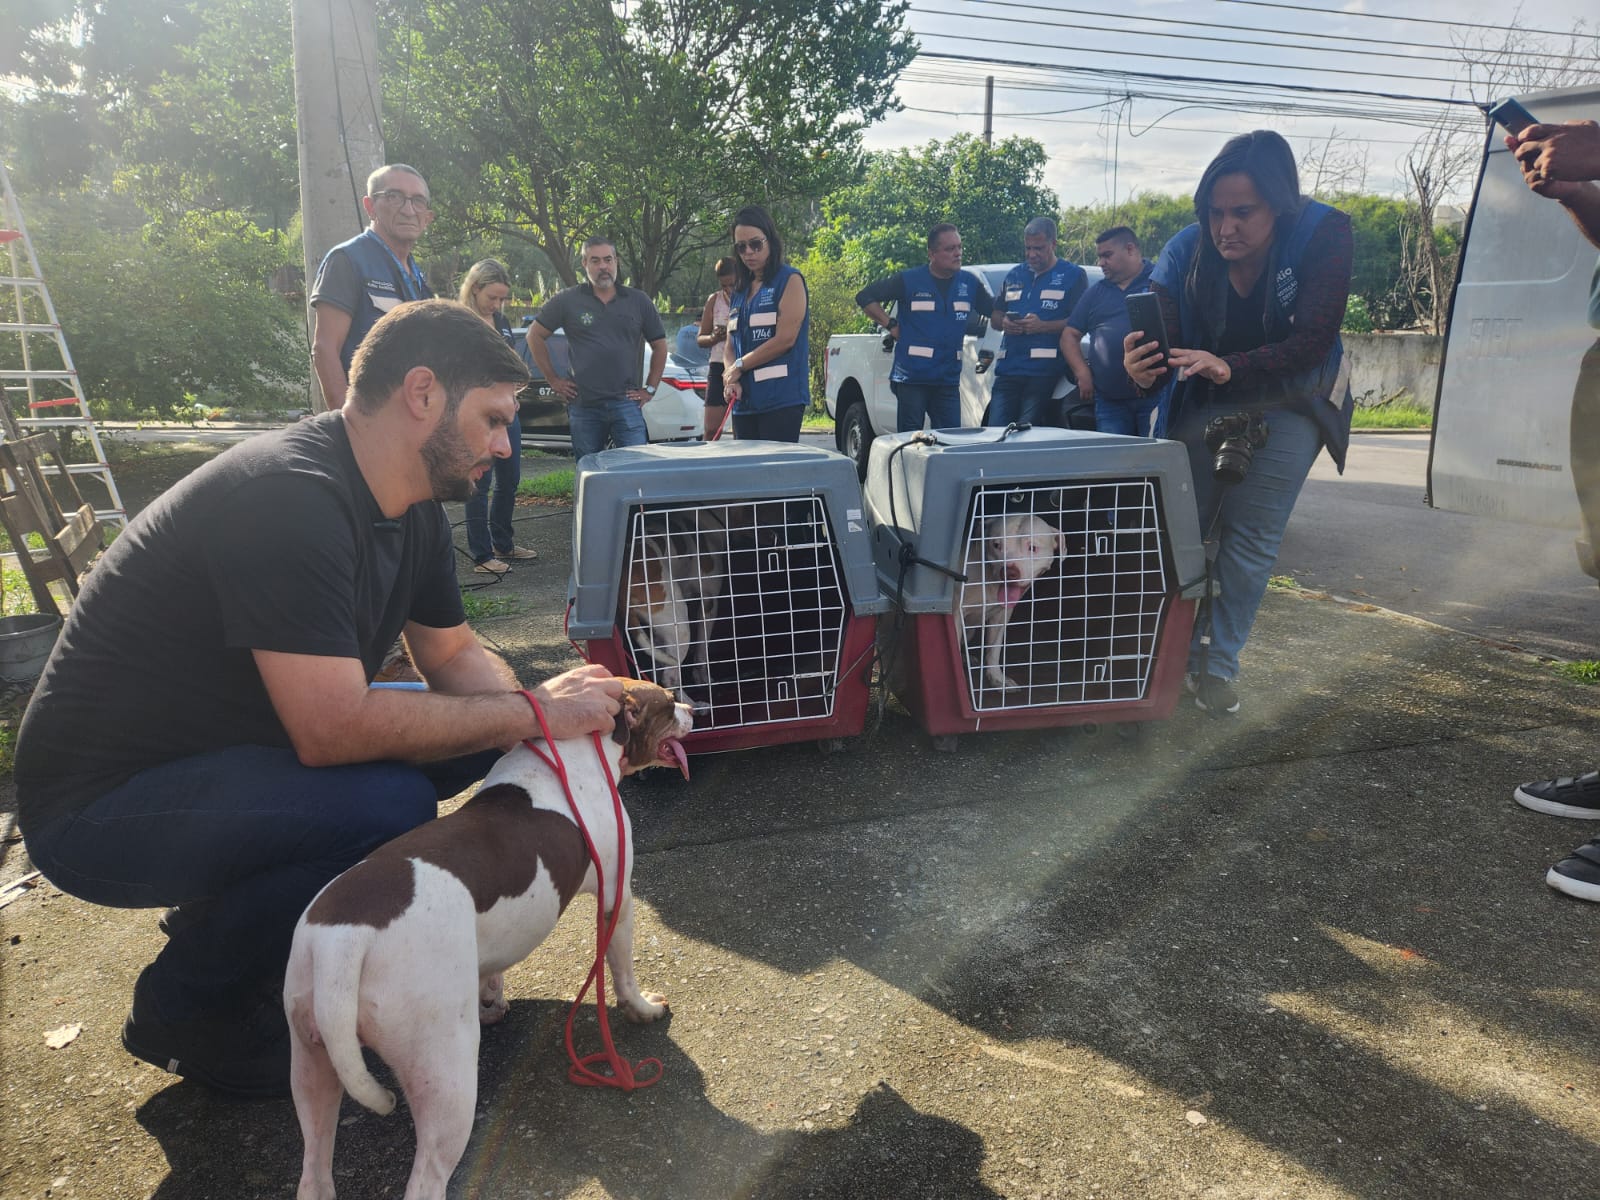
(562, 118)
(1152, 216)
(988, 192)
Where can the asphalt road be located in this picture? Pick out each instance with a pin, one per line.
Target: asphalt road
(1368, 536)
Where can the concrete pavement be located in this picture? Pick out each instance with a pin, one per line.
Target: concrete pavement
(1304, 953)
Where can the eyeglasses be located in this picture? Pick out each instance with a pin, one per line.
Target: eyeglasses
(402, 200)
(756, 244)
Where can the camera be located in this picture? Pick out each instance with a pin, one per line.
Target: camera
(1234, 439)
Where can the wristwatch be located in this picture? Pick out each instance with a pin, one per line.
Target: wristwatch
(738, 363)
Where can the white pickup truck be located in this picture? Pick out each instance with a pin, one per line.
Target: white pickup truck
(856, 376)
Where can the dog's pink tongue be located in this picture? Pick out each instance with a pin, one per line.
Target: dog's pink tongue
(1014, 592)
(673, 749)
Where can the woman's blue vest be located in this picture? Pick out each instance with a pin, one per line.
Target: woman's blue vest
(933, 322)
(785, 382)
(1308, 392)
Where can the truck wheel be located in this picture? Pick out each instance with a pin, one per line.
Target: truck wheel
(855, 437)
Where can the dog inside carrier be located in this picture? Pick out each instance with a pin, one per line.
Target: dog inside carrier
(739, 607)
(1067, 586)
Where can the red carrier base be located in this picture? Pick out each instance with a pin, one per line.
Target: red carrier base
(754, 713)
(930, 679)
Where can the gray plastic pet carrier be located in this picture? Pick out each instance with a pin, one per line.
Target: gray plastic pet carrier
(738, 574)
(1045, 576)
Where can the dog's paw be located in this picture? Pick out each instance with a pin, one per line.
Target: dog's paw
(492, 1005)
(650, 1006)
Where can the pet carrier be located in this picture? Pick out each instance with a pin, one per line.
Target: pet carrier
(1043, 576)
(738, 574)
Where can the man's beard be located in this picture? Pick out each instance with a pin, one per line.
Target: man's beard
(450, 464)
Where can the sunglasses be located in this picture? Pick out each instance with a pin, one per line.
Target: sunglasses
(756, 244)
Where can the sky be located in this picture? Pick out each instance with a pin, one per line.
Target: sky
(1061, 77)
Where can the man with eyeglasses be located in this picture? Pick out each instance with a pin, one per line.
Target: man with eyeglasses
(607, 326)
(373, 272)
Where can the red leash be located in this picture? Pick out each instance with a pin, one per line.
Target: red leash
(723, 424)
(622, 1072)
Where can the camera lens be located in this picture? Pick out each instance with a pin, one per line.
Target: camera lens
(1232, 461)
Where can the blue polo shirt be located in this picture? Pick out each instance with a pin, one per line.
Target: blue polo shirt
(1103, 315)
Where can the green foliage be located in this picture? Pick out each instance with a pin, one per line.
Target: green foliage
(1401, 413)
(556, 486)
(1357, 316)
(1583, 671)
(833, 277)
(161, 314)
(554, 120)
(989, 192)
(1152, 216)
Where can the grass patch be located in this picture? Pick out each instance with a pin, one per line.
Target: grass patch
(817, 423)
(1284, 583)
(1392, 416)
(553, 486)
(1585, 670)
(479, 607)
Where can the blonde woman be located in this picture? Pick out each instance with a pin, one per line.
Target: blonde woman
(485, 290)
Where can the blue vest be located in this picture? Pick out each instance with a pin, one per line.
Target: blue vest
(1306, 392)
(1050, 296)
(933, 323)
(385, 282)
(786, 382)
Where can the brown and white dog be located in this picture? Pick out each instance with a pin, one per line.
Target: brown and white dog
(404, 951)
(1015, 551)
(676, 580)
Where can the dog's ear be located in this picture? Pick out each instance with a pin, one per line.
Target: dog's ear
(627, 715)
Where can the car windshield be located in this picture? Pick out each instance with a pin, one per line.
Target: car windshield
(688, 352)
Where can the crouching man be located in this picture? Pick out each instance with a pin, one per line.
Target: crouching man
(204, 735)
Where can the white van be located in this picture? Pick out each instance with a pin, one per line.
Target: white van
(1519, 386)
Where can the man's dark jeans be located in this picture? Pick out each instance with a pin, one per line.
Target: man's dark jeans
(938, 402)
(247, 836)
(1024, 399)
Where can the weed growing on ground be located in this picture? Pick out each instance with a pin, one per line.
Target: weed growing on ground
(556, 486)
(1393, 416)
(478, 607)
(1585, 670)
(1287, 583)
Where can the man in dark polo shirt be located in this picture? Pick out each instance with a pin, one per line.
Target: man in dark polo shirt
(1103, 315)
(606, 326)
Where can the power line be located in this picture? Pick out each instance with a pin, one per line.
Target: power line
(1329, 12)
(1197, 78)
(1299, 33)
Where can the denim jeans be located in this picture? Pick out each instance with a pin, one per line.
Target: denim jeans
(1125, 416)
(489, 519)
(252, 834)
(1024, 399)
(1251, 516)
(594, 421)
(940, 403)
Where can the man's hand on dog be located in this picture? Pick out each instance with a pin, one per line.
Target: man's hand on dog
(580, 701)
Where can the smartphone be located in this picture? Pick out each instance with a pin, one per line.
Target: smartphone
(1144, 313)
(1511, 116)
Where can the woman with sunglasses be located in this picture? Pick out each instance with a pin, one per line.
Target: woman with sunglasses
(767, 377)
(485, 290)
(713, 333)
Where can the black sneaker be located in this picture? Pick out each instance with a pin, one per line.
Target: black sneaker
(1563, 797)
(1578, 874)
(247, 1055)
(1213, 694)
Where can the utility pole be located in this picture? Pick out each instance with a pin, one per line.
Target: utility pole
(988, 110)
(339, 114)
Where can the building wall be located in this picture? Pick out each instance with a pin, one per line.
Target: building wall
(1384, 364)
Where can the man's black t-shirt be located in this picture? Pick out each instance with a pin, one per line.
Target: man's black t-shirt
(276, 544)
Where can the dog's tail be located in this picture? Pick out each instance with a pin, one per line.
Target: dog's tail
(336, 965)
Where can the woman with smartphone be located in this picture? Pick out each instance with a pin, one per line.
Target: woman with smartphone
(713, 333)
(767, 378)
(1252, 296)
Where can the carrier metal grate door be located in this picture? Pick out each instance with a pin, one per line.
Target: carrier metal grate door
(1067, 588)
(739, 607)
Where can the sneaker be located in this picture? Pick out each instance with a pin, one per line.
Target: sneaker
(1578, 874)
(517, 553)
(1563, 797)
(492, 566)
(246, 1056)
(1213, 694)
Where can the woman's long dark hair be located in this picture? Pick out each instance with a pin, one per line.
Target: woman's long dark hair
(1269, 162)
(758, 218)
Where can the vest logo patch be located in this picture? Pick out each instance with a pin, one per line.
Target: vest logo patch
(1288, 287)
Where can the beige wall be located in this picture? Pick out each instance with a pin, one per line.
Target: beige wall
(1382, 364)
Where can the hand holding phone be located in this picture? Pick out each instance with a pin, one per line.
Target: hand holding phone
(1511, 116)
(1144, 315)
